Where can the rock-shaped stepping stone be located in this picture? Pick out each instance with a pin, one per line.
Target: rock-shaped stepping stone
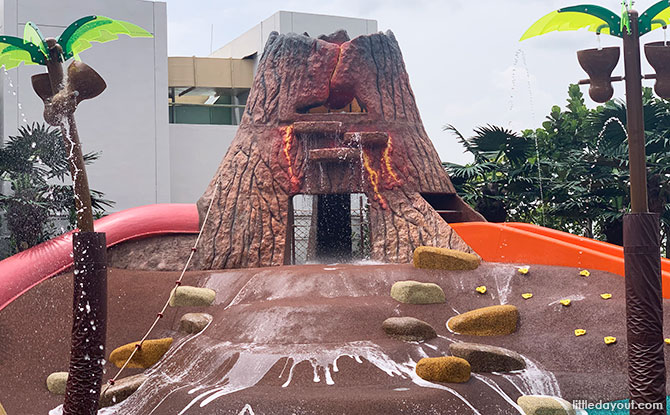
(414, 292)
(56, 383)
(545, 405)
(120, 390)
(408, 329)
(497, 320)
(447, 369)
(150, 353)
(429, 257)
(192, 323)
(186, 296)
(487, 359)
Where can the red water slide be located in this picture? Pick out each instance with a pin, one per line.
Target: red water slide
(21, 272)
(508, 242)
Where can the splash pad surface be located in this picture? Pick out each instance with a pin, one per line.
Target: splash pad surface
(308, 339)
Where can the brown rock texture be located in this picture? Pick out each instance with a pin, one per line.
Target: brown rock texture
(155, 253)
(497, 320)
(486, 359)
(408, 329)
(121, 390)
(448, 369)
(269, 160)
(430, 257)
(150, 353)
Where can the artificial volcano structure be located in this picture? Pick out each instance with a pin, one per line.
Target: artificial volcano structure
(329, 117)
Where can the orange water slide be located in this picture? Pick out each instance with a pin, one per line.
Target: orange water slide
(524, 243)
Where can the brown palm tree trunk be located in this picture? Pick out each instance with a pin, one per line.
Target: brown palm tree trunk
(89, 305)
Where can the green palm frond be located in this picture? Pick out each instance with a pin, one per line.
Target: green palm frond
(77, 37)
(32, 34)
(595, 18)
(14, 51)
(654, 17)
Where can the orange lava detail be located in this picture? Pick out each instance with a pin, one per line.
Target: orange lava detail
(374, 179)
(386, 161)
(288, 145)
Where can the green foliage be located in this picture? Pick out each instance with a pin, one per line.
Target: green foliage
(14, 51)
(78, 36)
(500, 171)
(583, 159)
(33, 167)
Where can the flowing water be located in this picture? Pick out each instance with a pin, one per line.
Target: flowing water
(607, 123)
(520, 61)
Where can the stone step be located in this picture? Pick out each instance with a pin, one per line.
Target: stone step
(367, 138)
(317, 127)
(335, 155)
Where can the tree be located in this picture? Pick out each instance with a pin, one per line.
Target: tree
(34, 164)
(583, 155)
(498, 181)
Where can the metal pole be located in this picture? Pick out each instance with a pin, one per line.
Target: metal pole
(644, 303)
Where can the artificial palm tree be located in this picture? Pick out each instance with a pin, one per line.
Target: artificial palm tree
(35, 49)
(61, 98)
(598, 19)
(646, 366)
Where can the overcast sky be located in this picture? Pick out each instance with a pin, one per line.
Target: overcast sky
(464, 59)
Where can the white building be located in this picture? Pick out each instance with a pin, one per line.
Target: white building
(161, 137)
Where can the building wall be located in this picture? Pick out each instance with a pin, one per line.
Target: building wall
(195, 153)
(144, 159)
(128, 123)
(253, 41)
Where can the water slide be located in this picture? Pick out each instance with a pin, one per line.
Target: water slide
(21, 272)
(508, 242)
(524, 243)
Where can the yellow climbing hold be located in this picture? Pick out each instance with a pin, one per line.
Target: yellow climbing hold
(481, 289)
(606, 296)
(610, 340)
(526, 296)
(148, 355)
(523, 270)
(565, 302)
(580, 332)
(667, 341)
(584, 273)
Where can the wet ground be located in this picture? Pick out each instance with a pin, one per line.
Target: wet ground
(308, 339)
